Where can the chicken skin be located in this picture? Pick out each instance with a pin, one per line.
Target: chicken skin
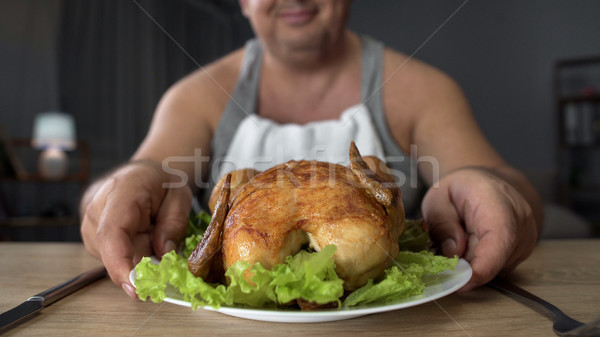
(265, 217)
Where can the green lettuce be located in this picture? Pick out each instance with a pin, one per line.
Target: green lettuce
(310, 276)
(307, 275)
(415, 237)
(197, 225)
(404, 279)
(152, 281)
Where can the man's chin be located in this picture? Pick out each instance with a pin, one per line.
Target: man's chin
(304, 43)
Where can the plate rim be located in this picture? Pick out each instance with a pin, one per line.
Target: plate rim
(463, 270)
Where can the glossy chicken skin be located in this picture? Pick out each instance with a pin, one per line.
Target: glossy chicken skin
(276, 213)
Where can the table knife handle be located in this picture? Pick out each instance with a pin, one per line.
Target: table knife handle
(55, 293)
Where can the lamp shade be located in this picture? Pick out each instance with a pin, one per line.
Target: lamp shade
(53, 130)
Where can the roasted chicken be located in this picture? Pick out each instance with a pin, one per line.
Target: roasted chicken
(266, 216)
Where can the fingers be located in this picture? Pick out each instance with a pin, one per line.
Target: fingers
(88, 232)
(117, 224)
(172, 220)
(490, 223)
(485, 217)
(117, 257)
(142, 246)
(487, 256)
(125, 216)
(444, 221)
(490, 211)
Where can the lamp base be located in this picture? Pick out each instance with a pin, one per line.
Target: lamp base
(53, 164)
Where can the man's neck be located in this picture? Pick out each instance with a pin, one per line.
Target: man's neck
(301, 94)
(328, 59)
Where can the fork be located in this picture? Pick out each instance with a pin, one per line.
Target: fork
(563, 324)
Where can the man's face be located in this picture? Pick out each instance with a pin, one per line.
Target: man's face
(296, 25)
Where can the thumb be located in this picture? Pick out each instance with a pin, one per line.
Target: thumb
(444, 221)
(172, 220)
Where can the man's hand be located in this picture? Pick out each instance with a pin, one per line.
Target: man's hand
(128, 215)
(482, 218)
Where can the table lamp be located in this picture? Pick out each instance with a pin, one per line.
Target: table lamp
(53, 133)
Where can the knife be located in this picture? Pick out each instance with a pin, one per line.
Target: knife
(37, 302)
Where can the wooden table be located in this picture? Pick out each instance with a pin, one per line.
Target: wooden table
(566, 273)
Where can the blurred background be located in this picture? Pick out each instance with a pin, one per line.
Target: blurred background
(92, 73)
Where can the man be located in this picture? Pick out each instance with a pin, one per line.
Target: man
(305, 72)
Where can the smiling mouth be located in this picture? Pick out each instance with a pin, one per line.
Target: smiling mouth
(297, 16)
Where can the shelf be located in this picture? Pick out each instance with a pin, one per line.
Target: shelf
(579, 99)
(29, 186)
(81, 176)
(586, 188)
(580, 146)
(580, 61)
(40, 221)
(37, 178)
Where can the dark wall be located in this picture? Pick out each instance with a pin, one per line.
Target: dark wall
(28, 64)
(502, 53)
(106, 63)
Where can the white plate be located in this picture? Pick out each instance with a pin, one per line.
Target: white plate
(441, 285)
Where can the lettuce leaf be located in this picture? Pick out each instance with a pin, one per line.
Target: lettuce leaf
(258, 292)
(415, 237)
(197, 224)
(308, 276)
(153, 280)
(402, 280)
(431, 264)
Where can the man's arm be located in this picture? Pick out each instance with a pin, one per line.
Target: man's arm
(141, 208)
(479, 207)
